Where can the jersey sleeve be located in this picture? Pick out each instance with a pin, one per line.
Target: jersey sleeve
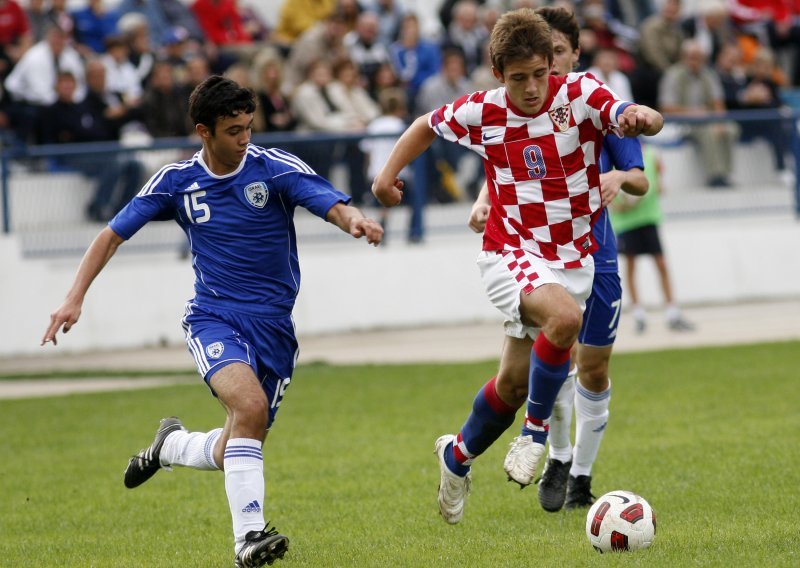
(623, 153)
(302, 185)
(603, 105)
(454, 121)
(315, 193)
(153, 202)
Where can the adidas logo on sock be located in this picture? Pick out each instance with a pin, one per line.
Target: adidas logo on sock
(252, 507)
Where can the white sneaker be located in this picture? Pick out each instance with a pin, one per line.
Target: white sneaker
(522, 459)
(453, 489)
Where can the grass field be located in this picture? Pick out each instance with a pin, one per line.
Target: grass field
(709, 436)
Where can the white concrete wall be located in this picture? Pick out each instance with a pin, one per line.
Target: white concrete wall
(138, 299)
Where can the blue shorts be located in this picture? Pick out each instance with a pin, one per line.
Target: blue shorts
(220, 337)
(601, 317)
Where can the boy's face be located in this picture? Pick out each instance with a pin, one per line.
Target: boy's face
(526, 82)
(564, 57)
(228, 145)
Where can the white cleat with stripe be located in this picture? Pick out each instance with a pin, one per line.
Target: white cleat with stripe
(453, 489)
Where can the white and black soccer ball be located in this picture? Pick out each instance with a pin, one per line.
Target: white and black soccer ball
(620, 521)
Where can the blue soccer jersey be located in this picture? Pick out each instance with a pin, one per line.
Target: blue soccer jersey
(622, 154)
(240, 225)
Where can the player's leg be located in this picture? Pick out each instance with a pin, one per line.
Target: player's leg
(247, 407)
(558, 315)
(493, 412)
(249, 377)
(148, 461)
(590, 392)
(494, 407)
(559, 437)
(495, 404)
(592, 398)
(593, 387)
(244, 400)
(213, 344)
(535, 301)
(553, 483)
(193, 449)
(268, 378)
(245, 403)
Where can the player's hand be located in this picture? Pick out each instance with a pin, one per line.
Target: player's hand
(368, 228)
(66, 315)
(610, 185)
(388, 194)
(478, 217)
(634, 121)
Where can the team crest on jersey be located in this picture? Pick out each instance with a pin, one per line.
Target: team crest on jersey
(214, 351)
(560, 117)
(257, 194)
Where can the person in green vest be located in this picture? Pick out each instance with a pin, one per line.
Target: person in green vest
(635, 221)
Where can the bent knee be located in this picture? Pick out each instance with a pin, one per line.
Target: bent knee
(562, 329)
(252, 413)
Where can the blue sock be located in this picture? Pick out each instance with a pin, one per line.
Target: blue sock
(549, 369)
(490, 417)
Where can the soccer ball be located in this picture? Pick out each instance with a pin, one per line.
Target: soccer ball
(620, 521)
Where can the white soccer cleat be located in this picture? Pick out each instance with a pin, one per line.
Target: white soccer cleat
(453, 489)
(523, 459)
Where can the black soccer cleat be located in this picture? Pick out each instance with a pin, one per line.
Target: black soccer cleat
(261, 547)
(579, 492)
(145, 464)
(553, 485)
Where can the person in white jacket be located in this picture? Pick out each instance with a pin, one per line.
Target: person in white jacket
(32, 82)
(324, 106)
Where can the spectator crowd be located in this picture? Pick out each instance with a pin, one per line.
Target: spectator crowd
(107, 70)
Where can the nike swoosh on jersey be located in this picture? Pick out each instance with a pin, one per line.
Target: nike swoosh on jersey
(487, 138)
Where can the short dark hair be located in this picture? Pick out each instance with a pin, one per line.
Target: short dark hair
(520, 34)
(563, 20)
(218, 97)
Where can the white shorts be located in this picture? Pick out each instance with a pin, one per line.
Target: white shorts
(507, 274)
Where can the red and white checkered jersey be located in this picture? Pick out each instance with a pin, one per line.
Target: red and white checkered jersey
(541, 170)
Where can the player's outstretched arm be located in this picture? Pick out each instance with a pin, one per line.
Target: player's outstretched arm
(640, 119)
(480, 210)
(97, 255)
(351, 220)
(632, 182)
(387, 187)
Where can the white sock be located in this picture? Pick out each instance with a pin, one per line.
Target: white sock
(673, 313)
(639, 313)
(190, 449)
(591, 415)
(244, 484)
(561, 420)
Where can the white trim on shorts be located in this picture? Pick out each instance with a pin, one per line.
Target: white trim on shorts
(508, 274)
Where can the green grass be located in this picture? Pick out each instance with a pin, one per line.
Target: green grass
(708, 436)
